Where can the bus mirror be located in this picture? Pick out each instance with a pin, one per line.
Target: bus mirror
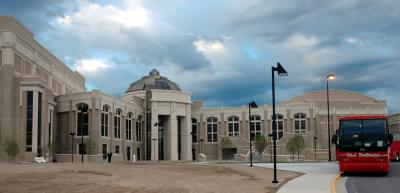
(334, 139)
(390, 138)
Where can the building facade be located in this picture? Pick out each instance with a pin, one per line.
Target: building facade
(44, 107)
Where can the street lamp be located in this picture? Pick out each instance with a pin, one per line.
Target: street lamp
(155, 140)
(83, 113)
(281, 72)
(315, 147)
(193, 149)
(251, 105)
(330, 76)
(270, 139)
(72, 145)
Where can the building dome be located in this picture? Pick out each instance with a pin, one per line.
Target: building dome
(153, 81)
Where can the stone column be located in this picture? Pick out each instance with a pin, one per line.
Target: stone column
(186, 138)
(173, 136)
(154, 132)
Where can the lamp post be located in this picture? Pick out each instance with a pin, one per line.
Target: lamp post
(281, 72)
(330, 76)
(315, 147)
(270, 139)
(72, 146)
(251, 105)
(83, 113)
(155, 140)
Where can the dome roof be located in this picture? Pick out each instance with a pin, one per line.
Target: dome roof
(153, 81)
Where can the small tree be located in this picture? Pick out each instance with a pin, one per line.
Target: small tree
(290, 146)
(225, 144)
(296, 144)
(260, 143)
(12, 149)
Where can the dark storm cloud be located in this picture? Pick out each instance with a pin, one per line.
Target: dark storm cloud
(34, 14)
(358, 40)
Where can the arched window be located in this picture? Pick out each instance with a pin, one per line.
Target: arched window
(212, 129)
(279, 126)
(139, 128)
(194, 130)
(233, 126)
(128, 125)
(117, 123)
(255, 126)
(104, 121)
(300, 123)
(82, 120)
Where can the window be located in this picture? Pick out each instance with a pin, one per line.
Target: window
(83, 120)
(233, 126)
(279, 126)
(29, 117)
(194, 130)
(117, 149)
(128, 130)
(104, 151)
(212, 129)
(255, 126)
(81, 148)
(117, 124)
(300, 123)
(104, 121)
(139, 129)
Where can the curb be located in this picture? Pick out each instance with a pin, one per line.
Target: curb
(334, 181)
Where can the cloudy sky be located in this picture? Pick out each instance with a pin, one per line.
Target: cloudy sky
(222, 51)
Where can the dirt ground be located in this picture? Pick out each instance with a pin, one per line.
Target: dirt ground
(138, 177)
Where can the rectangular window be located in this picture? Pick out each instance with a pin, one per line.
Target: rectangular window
(255, 129)
(138, 131)
(83, 123)
(104, 151)
(117, 127)
(81, 148)
(104, 124)
(117, 149)
(212, 132)
(194, 132)
(29, 116)
(128, 130)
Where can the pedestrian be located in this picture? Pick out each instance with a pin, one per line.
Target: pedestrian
(109, 155)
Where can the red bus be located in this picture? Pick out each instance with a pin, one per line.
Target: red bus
(362, 144)
(395, 148)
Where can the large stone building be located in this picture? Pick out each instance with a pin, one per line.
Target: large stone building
(43, 102)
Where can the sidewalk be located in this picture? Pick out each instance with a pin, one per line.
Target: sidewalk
(309, 183)
(317, 177)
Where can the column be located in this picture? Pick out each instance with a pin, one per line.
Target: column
(173, 136)
(186, 137)
(154, 134)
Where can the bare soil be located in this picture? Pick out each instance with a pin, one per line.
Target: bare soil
(138, 177)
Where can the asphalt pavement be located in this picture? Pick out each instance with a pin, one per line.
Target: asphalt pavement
(373, 183)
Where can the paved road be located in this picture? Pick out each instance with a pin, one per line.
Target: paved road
(373, 183)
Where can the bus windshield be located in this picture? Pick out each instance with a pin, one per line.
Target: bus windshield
(366, 135)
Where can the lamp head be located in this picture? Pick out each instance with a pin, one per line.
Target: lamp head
(330, 76)
(253, 104)
(281, 71)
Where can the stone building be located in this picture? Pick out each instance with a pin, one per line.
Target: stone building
(44, 102)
